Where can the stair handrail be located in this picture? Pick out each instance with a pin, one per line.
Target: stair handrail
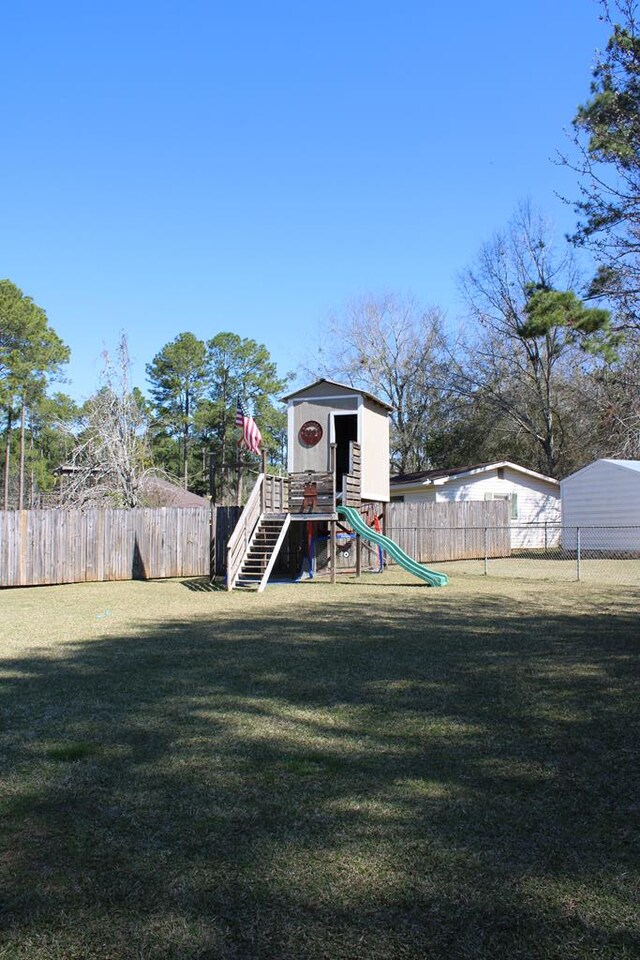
(239, 540)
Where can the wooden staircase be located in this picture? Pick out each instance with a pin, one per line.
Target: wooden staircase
(262, 552)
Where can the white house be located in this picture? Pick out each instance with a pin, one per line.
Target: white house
(533, 498)
(605, 494)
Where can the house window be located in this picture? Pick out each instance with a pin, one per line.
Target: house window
(397, 499)
(511, 498)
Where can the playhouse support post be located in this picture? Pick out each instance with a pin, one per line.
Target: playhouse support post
(358, 555)
(332, 470)
(332, 549)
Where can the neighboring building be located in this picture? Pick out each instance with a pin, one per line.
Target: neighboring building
(155, 491)
(159, 492)
(605, 493)
(534, 499)
(327, 413)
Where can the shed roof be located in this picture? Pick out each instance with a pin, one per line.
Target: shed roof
(622, 464)
(343, 386)
(628, 464)
(425, 478)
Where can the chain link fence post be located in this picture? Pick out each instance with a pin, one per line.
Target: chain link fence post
(486, 552)
(577, 553)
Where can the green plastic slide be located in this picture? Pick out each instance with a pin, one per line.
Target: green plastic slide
(396, 553)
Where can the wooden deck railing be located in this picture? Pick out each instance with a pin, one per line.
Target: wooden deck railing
(323, 498)
(275, 493)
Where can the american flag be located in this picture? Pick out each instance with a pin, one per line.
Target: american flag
(251, 436)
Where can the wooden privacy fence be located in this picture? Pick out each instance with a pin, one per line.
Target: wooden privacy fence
(70, 546)
(463, 530)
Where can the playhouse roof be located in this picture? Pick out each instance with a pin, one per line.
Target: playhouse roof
(343, 386)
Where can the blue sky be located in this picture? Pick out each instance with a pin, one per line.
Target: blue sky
(252, 166)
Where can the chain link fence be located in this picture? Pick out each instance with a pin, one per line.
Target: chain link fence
(545, 551)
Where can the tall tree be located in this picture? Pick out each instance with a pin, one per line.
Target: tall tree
(241, 369)
(393, 346)
(177, 377)
(607, 137)
(530, 341)
(31, 354)
(52, 426)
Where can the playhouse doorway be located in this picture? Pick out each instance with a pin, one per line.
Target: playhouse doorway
(345, 429)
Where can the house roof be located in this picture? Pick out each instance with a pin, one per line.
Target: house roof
(343, 386)
(163, 493)
(426, 478)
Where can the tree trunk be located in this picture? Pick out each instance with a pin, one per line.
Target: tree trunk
(7, 451)
(185, 448)
(23, 408)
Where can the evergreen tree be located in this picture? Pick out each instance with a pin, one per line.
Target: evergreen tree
(177, 377)
(31, 354)
(240, 369)
(607, 136)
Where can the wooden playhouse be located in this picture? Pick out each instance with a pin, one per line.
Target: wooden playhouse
(338, 455)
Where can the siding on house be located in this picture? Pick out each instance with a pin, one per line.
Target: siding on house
(605, 493)
(538, 500)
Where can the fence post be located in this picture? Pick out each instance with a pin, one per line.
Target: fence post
(486, 552)
(546, 538)
(578, 553)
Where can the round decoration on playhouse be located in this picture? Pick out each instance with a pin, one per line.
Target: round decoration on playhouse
(310, 433)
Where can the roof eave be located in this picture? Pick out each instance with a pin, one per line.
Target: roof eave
(343, 386)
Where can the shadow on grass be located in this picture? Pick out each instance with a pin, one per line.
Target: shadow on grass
(441, 782)
(356, 582)
(204, 585)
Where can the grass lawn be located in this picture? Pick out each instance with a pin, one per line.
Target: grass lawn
(375, 770)
(598, 572)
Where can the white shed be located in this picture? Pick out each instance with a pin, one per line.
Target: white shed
(606, 495)
(534, 499)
